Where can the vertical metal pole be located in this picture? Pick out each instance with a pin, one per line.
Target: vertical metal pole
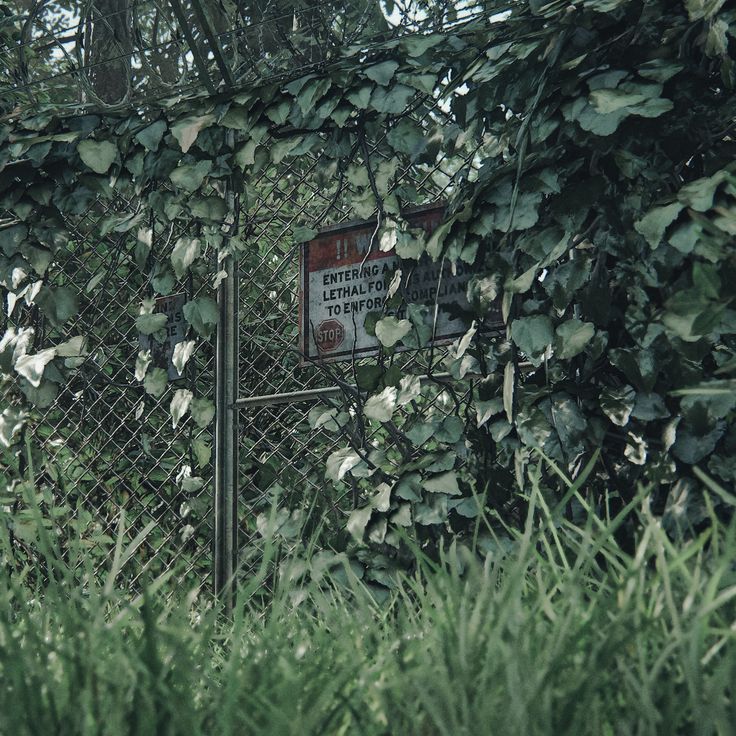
(226, 424)
(226, 435)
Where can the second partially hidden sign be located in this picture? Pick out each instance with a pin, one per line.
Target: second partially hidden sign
(344, 280)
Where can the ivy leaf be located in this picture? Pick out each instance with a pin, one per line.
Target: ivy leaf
(409, 246)
(246, 155)
(185, 252)
(186, 130)
(410, 388)
(59, 304)
(180, 405)
(74, 347)
(418, 45)
(98, 155)
(698, 194)
(203, 411)
(572, 337)
(486, 409)
(390, 330)
(42, 396)
(381, 406)
(11, 422)
(303, 234)
(190, 176)
(201, 313)
(610, 100)
(323, 416)
(181, 355)
(151, 136)
(208, 208)
(407, 137)
(31, 367)
(142, 361)
(434, 512)
(523, 283)
(148, 324)
(341, 462)
(509, 374)
(361, 96)
(656, 221)
(391, 100)
(532, 334)
(358, 521)
(155, 382)
(443, 483)
(618, 403)
(311, 92)
(382, 73)
(202, 451)
(691, 446)
(450, 430)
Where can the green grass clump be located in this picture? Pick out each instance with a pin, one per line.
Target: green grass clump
(559, 631)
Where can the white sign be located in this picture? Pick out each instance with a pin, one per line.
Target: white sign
(343, 280)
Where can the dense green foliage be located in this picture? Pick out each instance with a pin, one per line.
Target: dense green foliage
(591, 150)
(559, 632)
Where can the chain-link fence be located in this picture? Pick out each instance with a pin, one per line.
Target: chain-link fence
(102, 441)
(282, 453)
(105, 439)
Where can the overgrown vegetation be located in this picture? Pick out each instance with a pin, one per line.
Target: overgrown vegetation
(587, 160)
(556, 631)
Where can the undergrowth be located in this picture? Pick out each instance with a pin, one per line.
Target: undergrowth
(559, 631)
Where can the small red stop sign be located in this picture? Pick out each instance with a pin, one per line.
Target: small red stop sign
(330, 335)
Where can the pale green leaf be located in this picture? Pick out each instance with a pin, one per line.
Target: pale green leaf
(180, 405)
(381, 406)
(341, 462)
(31, 367)
(618, 403)
(185, 252)
(698, 194)
(390, 330)
(509, 374)
(653, 225)
(148, 324)
(155, 382)
(382, 73)
(142, 361)
(182, 353)
(11, 423)
(532, 334)
(189, 177)
(357, 522)
(150, 136)
(98, 155)
(572, 337)
(202, 411)
(443, 483)
(201, 313)
(186, 130)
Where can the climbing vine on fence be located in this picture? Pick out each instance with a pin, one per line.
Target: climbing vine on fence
(594, 193)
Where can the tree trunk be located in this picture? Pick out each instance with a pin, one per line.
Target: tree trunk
(110, 47)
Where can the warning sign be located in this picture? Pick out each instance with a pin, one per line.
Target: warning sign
(343, 280)
(176, 331)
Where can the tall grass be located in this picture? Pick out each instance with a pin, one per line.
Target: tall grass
(557, 632)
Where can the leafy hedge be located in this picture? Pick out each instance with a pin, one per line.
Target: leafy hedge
(595, 193)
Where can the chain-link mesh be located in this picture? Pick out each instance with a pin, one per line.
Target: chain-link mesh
(104, 446)
(282, 455)
(107, 444)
